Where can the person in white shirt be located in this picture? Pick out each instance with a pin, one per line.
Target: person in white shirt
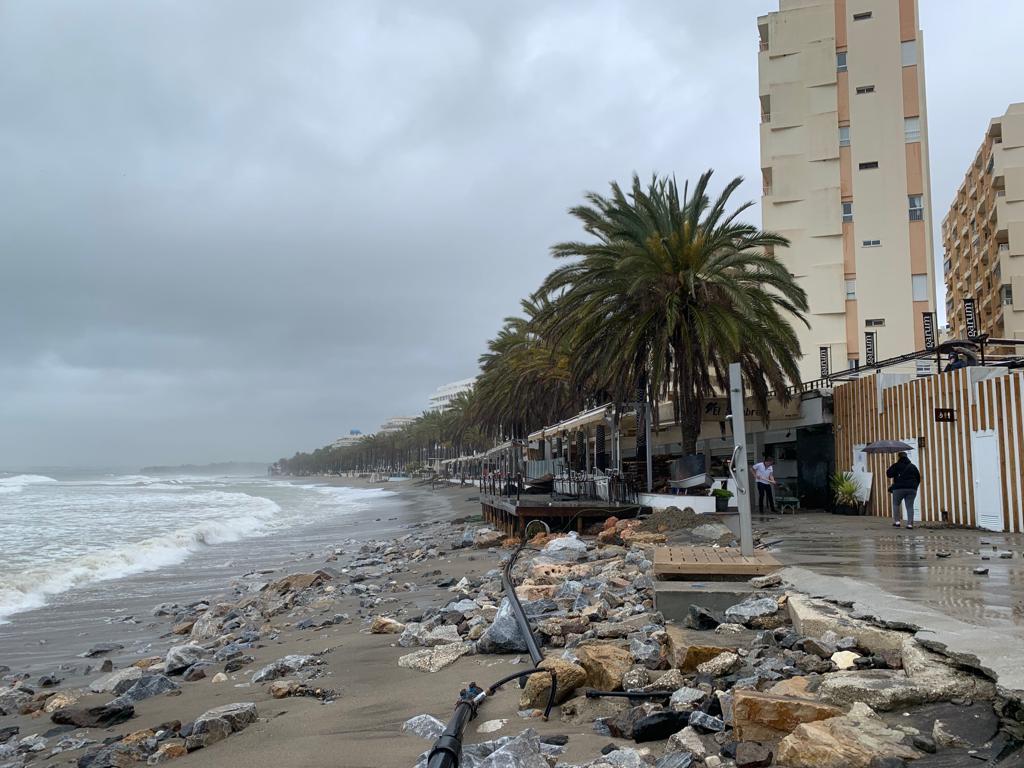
(764, 474)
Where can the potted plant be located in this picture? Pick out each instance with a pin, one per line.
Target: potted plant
(846, 493)
(722, 496)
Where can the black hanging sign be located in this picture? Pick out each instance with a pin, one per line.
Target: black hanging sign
(869, 347)
(971, 318)
(823, 354)
(929, 330)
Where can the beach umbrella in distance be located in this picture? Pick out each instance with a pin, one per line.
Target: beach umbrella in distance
(887, 446)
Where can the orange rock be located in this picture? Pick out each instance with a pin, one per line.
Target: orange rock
(689, 658)
(767, 717)
(611, 522)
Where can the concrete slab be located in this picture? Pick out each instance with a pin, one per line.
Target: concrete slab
(674, 598)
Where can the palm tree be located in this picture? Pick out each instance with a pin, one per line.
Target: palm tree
(669, 292)
(525, 380)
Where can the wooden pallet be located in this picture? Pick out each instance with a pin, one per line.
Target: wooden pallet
(697, 562)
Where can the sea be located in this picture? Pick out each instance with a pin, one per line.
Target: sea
(65, 532)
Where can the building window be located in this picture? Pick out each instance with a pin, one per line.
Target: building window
(851, 289)
(876, 323)
(916, 206)
(865, 89)
(847, 212)
(870, 243)
(924, 368)
(844, 135)
(911, 129)
(919, 286)
(908, 53)
(853, 362)
(868, 166)
(991, 164)
(840, 61)
(862, 16)
(1006, 294)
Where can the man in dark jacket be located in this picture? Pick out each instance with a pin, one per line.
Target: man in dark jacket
(905, 480)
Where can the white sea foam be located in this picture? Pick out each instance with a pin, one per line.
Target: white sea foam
(17, 483)
(249, 516)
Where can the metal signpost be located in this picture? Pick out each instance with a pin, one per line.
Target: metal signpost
(740, 473)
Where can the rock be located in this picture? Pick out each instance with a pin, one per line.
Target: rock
(659, 725)
(194, 673)
(943, 680)
(675, 759)
(705, 723)
(819, 648)
(443, 635)
(605, 665)
(980, 571)
(102, 649)
(845, 659)
(729, 628)
(181, 657)
(813, 618)
(722, 664)
(635, 679)
(61, 700)
(620, 629)
(569, 677)
(220, 677)
(490, 726)
(750, 754)
(382, 625)
(486, 538)
(753, 611)
(766, 582)
(767, 717)
(425, 726)
(566, 548)
(688, 741)
(880, 689)
(207, 626)
(219, 723)
(701, 618)
(584, 711)
(621, 726)
(434, 659)
(503, 636)
(144, 688)
(687, 699)
(647, 651)
(116, 755)
(282, 689)
(93, 717)
(166, 753)
(850, 741)
(13, 699)
(692, 656)
(945, 738)
(524, 751)
(284, 667)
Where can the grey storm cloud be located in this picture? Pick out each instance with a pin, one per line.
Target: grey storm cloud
(233, 230)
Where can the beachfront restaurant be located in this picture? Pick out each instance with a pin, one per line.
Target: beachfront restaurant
(797, 434)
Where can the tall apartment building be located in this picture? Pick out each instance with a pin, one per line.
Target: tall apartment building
(844, 161)
(983, 235)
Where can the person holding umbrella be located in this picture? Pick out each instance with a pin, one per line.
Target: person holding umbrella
(906, 478)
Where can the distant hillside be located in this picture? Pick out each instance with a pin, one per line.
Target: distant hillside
(220, 468)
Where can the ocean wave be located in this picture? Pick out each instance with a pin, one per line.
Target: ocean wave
(17, 483)
(30, 588)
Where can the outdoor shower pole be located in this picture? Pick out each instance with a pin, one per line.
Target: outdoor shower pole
(647, 432)
(739, 459)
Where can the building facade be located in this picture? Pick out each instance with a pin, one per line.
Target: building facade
(844, 163)
(395, 424)
(443, 395)
(983, 235)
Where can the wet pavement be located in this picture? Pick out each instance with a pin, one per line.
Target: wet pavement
(899, 575)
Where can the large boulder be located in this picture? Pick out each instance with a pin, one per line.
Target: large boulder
(181, 657)
(109, 682)
(767, 717)
(569, 548)
(382, 625)
(851, 741)
(94, 717)
(568, 676)
(605, 665)
(207, 626)
(145, 688)
(504, 635)
(760, 612)
(619, 629)
(932, 671)
(13, 699)
(220, 722)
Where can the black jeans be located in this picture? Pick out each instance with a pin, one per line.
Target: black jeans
(765, 490)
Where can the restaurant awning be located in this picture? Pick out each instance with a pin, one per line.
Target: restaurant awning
(592, 416)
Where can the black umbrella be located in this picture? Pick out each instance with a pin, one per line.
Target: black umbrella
(887, 446)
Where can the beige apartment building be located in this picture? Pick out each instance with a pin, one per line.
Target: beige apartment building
(844, 161)
(983, 235)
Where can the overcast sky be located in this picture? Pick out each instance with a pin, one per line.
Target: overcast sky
(234, 230)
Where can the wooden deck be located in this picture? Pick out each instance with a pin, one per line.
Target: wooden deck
(506, 513)
(701, 562)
